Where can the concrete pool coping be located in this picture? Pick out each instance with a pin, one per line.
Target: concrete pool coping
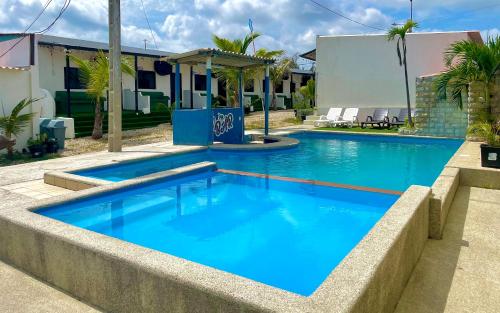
(121, 276)
(70, 180)
(277, 143)
(316, 306)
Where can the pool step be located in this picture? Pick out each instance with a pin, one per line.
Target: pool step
(310, 119)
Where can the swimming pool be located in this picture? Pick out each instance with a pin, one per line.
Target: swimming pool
(384, 162)
(284, 234)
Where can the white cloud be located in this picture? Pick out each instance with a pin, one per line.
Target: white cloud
(490, 33)
(285, 24)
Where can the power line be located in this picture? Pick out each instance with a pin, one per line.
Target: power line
(147, 20)
(61, 12)
(38, 16)
(345, 17)
(27, 28)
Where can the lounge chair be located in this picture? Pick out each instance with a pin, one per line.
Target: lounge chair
(330, 119)
(379, 118)
(401, 118)
(349, 117)
(5, 142)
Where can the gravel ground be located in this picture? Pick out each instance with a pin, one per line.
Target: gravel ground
(164, 132)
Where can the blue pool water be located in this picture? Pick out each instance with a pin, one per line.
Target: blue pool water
(284, 234)
(392, 163)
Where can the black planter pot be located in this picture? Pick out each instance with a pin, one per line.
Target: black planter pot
(490, 156)
(37, 151)
(52, 147)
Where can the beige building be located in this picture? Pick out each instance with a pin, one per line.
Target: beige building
(363, 70)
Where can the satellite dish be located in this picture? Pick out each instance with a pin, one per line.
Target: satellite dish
(163, 68)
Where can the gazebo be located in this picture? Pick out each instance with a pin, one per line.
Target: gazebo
(208, 125)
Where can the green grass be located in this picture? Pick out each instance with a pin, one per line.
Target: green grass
(20, 158)
(361, 130)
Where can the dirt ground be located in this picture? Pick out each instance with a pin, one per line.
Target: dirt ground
(164, 132)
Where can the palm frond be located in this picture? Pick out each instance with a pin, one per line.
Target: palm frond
(224, 44)
(468, 61)
(14, 123)
(249, 38)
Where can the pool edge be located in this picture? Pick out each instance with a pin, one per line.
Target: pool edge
(67, 257)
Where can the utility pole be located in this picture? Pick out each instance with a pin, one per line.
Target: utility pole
(411, 14)
(115, 79)
(145, 44)
(411, 10)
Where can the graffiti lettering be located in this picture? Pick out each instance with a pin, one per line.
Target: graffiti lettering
(223, 123)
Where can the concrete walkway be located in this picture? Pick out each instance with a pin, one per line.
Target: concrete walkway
(460, 273)
(20, 293)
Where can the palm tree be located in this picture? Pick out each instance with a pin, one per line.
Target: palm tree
(401, 32)
(95, 75)
(309, 92)
(466, 62)
(231, 76)
(13, 124)
(277, 73)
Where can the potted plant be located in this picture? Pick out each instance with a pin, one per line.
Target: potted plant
(488, 129)
(12, 125)
(302, 107)
(35, 146)
(51, 145)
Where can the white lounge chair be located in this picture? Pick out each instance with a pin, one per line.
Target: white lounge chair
(349, 117)
(330, 118)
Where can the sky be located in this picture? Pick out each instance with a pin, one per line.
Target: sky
(292, 25)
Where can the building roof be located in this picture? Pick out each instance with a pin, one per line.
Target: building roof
(219, 58)
(78, 44)
(310, 55)
(303, 72)
(473, 35)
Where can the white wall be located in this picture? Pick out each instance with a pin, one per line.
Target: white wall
(53, 61)
(363, 71)
(16, 85)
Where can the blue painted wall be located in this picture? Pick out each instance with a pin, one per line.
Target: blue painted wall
(192, 127)
(227, 125)
(203, 127)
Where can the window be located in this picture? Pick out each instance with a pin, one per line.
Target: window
(72, 75)
(147, 79)
(305, 79)
(249, 86)
(292, 86)
(200, 82)
(279, 87)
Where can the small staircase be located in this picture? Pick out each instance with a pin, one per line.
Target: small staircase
(310, 119)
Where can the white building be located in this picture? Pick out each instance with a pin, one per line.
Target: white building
(363, 70)
(39, 66)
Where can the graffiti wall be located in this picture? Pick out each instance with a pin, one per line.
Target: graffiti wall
(227, 125)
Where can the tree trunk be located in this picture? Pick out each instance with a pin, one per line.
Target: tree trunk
(97, 131)
(10, 152)
(410, 121)
(274, 103)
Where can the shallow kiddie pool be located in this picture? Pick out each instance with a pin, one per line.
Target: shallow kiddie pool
(285, 234)
(384, 162)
